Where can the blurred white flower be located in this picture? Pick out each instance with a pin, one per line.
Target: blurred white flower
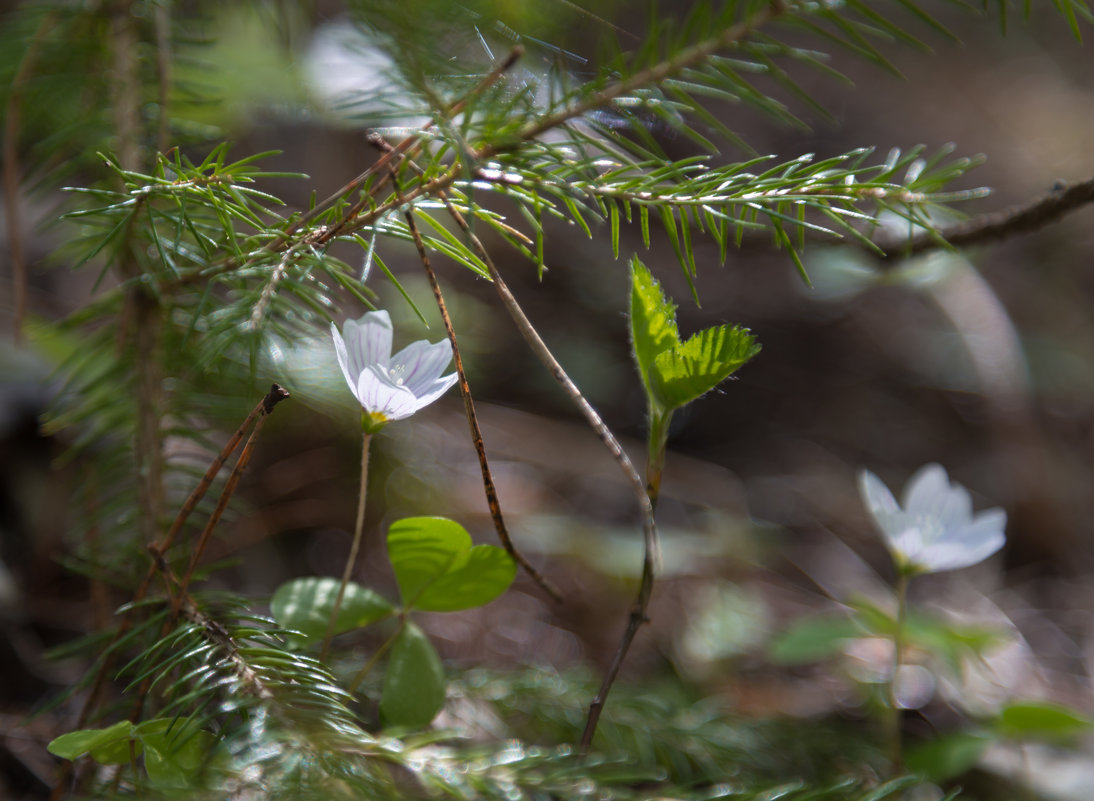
(390, 387)
(936, 529)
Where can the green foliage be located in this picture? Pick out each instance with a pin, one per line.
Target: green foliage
(822, 636)
(414, 681)
(675, 372)
(948, 756)
(812, 639)
(202, 270)
(439, 570)
(107, 746)
(305, 605)
(1041, 720)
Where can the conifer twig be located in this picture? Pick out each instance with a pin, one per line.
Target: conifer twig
(652, 76)
(156, 551)
(1018, 219)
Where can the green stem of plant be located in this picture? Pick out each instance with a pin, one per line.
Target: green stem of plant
(351, 560)
(655, 464)
(371, 663)
(896, 743)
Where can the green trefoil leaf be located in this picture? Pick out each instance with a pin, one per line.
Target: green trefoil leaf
(414, 686)
(439, 570)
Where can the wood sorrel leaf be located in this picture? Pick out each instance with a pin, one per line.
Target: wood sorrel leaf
(438, 570)
(413, 691)
(1042, 720)
(174, 752)
(949, 756)
(305, 604)
(684, 373)
(109, 746)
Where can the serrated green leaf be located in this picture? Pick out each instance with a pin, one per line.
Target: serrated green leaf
(414, 686)
(683, 374)
(653, 320)
(438, 570)
(306, 604)
(109, 746)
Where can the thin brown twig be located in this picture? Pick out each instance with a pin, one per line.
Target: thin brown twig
(638, 614)
(649, 527)
(994, 226)
(178, 590)
(213, 631)
(469, 409)
(274, 398)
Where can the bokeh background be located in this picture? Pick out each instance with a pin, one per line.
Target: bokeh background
(980, 360)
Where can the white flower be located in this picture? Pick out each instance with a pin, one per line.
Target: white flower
(936, 529)
(390, 387)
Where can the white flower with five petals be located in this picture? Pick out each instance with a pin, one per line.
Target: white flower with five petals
(935, 530)
(390, 387)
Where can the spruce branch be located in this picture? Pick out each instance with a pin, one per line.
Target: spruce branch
(651, 76)
(157, 551)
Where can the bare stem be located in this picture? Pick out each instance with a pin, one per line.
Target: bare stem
(222, 504)
(896, 742)
(995, 226)
(351, 560)
(649, 527)
(488, 485)
(376, 657)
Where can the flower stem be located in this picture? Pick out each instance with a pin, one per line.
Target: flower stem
(896, 744)
(371, 663)
(351, 561)
(655, 456)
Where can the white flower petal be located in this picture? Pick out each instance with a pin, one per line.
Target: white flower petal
(935, 530)
(877, 496)
(930, 493)
(378, 394)
(368, 341)
(438, 388)
(390, 388)
(981, 538)
(420, 364)
(344, 360)
(954, 555)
